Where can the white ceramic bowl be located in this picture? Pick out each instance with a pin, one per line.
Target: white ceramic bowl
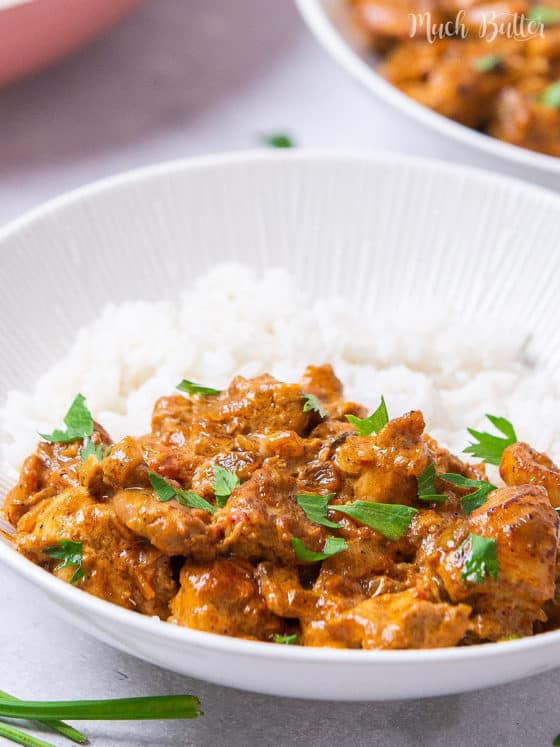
(330, 22)
(375, 229)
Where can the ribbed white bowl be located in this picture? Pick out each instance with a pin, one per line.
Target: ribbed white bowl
(381, 231)
(330, 22)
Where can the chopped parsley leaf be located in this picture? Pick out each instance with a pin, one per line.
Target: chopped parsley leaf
(373, 423)
(78, 421)
(70, 554)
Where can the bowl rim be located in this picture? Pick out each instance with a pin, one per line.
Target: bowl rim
(92, 607)
(333, 42)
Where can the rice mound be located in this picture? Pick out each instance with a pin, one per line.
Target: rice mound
(236, 322)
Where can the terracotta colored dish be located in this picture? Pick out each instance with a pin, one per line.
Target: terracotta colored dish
(36, 33)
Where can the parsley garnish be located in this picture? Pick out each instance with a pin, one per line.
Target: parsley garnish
(165, 492)
(71, 554)
(224, 483)
(289, 640)
(78, 421)
(544, 16)
(90, 449)
(479, 559)
(278, 140)
(315, 507)
(426, 485)
(551, 96)
(191, 388)
(333, 545)
(472, 500)
(389, 519)
(487, 64)
(373, 423)
(312, 403)
(489, 447)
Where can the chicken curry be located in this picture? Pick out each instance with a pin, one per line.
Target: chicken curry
(493, 65)
(284, 513)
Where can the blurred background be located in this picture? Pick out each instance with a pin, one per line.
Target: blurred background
(177, 78)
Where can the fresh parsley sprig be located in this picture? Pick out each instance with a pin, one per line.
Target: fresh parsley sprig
(373, 423)
(315, 508)
(473, 500)
(551, 95)
(487, 64)
(389, 519)
(78, 421)
(191, 388)
(90, 449)
(545, 16)
(333, 545)
(225, 483)
(489, 447)
(479, 559)
(70, 554)
(427, 490)
(288, 640)
(313, 404)
(166, 492)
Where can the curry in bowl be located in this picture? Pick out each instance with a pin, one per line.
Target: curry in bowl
(284, 513)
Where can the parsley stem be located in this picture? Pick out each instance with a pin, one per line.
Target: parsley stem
(59, 726)
(123, 709)
(20, 737)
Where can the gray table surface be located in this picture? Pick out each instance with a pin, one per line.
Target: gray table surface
(183, 77)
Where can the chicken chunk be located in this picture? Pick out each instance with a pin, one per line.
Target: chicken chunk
(261, 517)
(117, 565)
(403, 620)
(384, 467)
(172, 528)
(521, 465)
(223, 597)
(524, 527)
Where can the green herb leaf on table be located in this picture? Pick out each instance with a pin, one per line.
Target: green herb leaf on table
(473, 500)
(389, 519)
(315, 507)
(191, 388)
(78, 421)
(333, 545)
(289, 640)
(278, 140)
(59, 726)
(427, 490)
(224, 484)
(545, 16)
(487, 64)
(71, 555)
(123, 709)
(479, 559)
(551, 95)
(373, 423)
(166, 492)
(489, 447)
(313, 404)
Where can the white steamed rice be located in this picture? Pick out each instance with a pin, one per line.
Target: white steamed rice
(234, 322)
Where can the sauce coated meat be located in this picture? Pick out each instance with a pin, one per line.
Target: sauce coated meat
(254, 561)
(493, 69)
